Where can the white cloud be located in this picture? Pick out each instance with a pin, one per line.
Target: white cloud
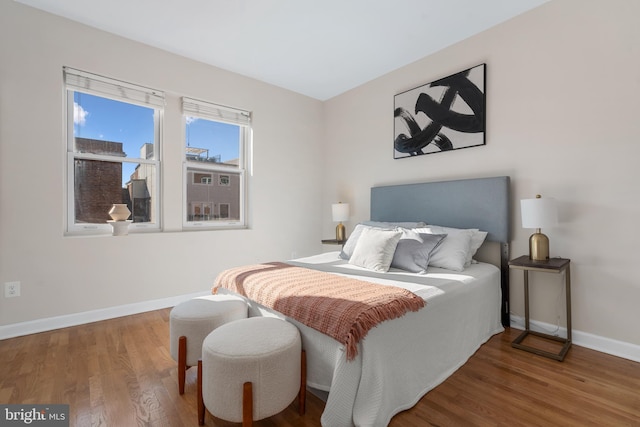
(191, 119)
(79, 114)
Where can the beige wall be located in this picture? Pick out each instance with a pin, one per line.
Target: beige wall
(65, 275)
(563, 100)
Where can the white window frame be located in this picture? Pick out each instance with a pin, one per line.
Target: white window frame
(214, 112)
(93, 84)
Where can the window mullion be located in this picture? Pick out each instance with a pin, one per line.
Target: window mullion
(107, 158)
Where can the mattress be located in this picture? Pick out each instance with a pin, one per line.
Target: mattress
(401, 359)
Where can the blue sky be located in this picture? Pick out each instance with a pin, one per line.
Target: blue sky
(132, 125)
(219, 138)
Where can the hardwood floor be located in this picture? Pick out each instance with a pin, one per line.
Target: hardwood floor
(119, 373)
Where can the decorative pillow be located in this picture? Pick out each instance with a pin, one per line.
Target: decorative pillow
(476, 239)
(452, 253)
(383, 224)
(375, 248)
(350, 244)
(414, 250)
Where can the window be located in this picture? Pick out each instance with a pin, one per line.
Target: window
(223, 210)
(216, 144)
(113, 144)
(201, 211)
(202, 178)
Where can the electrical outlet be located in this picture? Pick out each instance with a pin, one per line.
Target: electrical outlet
(11, 289)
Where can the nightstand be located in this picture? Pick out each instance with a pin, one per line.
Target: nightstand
(333, 241)
(553, 265)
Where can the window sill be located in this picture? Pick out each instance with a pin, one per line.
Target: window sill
(141, 232)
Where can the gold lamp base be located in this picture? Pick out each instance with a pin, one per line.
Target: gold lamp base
(340, 231)
(539, 247)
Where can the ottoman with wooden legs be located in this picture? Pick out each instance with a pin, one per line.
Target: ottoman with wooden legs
(251, 369)
(191, 321)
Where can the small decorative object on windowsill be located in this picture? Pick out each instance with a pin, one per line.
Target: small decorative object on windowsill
(538, 213)
(340, 212)
(120, 212)
(120, 228)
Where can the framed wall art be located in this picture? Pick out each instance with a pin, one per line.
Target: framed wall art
(446, 114)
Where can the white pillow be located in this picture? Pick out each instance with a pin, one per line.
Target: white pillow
(477, 239)
(452, 253)
(386, 224)
(375, 248)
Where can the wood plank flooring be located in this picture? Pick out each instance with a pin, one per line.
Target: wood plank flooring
(119, 373)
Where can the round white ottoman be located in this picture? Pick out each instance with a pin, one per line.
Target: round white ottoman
(251, 369)
(191, 321)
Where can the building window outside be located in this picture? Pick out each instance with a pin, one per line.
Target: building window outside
(216, 144)
(201, 211)
(113, 144)
(202, 178)
(223, 210)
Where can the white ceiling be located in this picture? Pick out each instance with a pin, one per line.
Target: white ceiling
(318, 48)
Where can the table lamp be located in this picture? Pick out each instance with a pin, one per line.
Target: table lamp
(340, 212)
(538, 213)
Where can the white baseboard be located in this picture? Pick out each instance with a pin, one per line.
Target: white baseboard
(57, 322)
(583, 339)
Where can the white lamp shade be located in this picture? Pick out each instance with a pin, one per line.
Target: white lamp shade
(340, 212)
(539, 212)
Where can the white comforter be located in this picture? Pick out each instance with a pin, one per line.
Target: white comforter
(402, 359)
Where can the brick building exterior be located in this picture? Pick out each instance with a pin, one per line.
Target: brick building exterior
(98, 184)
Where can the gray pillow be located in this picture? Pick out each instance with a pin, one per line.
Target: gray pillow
(414, 250)
(375, 249)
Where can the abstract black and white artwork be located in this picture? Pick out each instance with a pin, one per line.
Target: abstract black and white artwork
(447, 114)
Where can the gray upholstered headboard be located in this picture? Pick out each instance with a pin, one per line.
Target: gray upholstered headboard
(468, 203)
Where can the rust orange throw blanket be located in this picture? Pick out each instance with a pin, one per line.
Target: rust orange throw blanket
(341, 307)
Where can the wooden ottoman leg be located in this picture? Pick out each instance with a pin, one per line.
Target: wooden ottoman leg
(182, 362)
(302, 397)
(247, 405)
(200, 398)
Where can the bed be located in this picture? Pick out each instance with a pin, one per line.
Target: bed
(401, 359)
